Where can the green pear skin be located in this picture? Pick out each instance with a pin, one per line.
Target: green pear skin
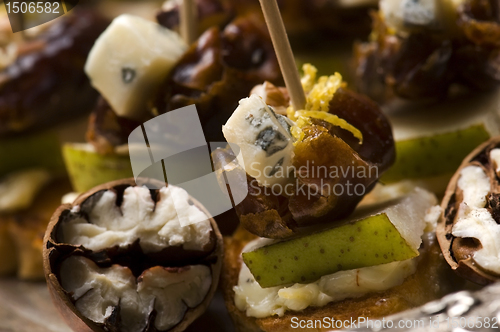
(366, 242)
(436, 155)
(88, 169)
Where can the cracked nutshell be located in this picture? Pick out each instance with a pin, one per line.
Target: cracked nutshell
(118, 259)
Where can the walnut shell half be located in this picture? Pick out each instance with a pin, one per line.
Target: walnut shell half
(120, 259)
(470, 215)
(313, 198)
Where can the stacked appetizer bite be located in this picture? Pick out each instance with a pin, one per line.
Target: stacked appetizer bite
(43, 91)
(308, 165)
(418, 49)
(297, 165)
(373, 263)
(126, 65)
(164, 73)
(434, 64)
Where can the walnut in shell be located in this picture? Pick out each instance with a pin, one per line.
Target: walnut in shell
(468, 229)
(118, 259)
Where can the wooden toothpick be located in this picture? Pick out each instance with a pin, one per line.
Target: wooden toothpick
(188, 21)
(284, 53)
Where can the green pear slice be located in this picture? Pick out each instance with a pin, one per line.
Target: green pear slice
(87, 168)
(434, 155)
(374, 236)
(433, 140)
(40, 150)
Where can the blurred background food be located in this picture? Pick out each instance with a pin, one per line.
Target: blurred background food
(43, 96)
(435, 79)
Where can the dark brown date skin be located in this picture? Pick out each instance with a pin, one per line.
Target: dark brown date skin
(303, 19)
(217, 71)
(424, 64)
(47, 85)
(106, 130)
(267, 214)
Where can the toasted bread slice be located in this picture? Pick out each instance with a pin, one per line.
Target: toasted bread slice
(432, 280)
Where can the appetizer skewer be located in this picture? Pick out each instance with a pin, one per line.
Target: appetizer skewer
(325, 130)
(309, 272)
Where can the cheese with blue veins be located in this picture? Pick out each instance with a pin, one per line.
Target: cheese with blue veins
(264, 139)
(130, 60)
(404, 14)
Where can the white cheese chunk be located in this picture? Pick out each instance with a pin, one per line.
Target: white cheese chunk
(432, 217)
(157, 226)
(264, 139)
(401, 14)
(475, 185)
(495, 157)
(475, 221)
(263, 302)
(129, 61)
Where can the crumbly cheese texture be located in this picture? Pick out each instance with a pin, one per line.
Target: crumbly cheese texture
(157, 226)
(129, 61)
(475, 221)
(264, 139)
(98, 291)
(263, 302)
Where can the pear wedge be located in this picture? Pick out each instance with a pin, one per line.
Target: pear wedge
(432, 141)
(88, 169)
(374, 236)
(430, 156)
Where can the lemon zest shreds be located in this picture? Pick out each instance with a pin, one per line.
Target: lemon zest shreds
(309, 78)
(322, 93)
(334, 120)
(290, 113)
(319, 94)
(297, 131)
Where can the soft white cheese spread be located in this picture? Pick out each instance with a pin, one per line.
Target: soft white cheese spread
(157, 226)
